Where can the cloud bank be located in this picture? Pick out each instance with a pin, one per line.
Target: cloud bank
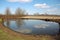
(19, 0)
(44, 5)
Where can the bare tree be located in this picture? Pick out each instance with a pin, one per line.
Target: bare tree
(20, 12)
(36, 14)
(8, 11)
(26, 14)
(46, 13)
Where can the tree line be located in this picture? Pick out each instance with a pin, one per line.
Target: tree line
(19, 12)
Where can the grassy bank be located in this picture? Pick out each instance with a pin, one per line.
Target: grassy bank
(0, 20)
(5, 36)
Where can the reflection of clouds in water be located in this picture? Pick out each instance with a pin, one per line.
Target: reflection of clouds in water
(25, 31)
(41, 26)
(52, 22)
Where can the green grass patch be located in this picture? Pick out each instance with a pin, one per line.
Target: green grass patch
(0, 20)
(5, 36)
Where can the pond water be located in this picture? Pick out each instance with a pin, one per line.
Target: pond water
(33, 26)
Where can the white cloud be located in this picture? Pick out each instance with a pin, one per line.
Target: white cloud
(11, 0)
(44, 5)
(19, 0)
(25, 0)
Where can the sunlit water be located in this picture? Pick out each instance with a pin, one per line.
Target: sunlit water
(33, 26)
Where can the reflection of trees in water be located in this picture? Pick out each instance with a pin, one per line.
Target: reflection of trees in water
(8, 23)
(19, 22)
(59, 28)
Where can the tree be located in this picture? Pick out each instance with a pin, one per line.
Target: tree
(8, 11)
(20, 12)
(46, 13)
(36, 14)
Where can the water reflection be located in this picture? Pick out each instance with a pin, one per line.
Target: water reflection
(33, 26)
(59, 29)
(25, 31)
(7, 23)
(41, 26)
(19, 22)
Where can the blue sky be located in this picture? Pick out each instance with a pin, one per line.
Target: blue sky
(32, 6)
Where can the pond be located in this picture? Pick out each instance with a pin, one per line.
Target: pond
(36, 27)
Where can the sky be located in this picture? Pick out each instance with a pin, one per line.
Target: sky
(31, 6)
